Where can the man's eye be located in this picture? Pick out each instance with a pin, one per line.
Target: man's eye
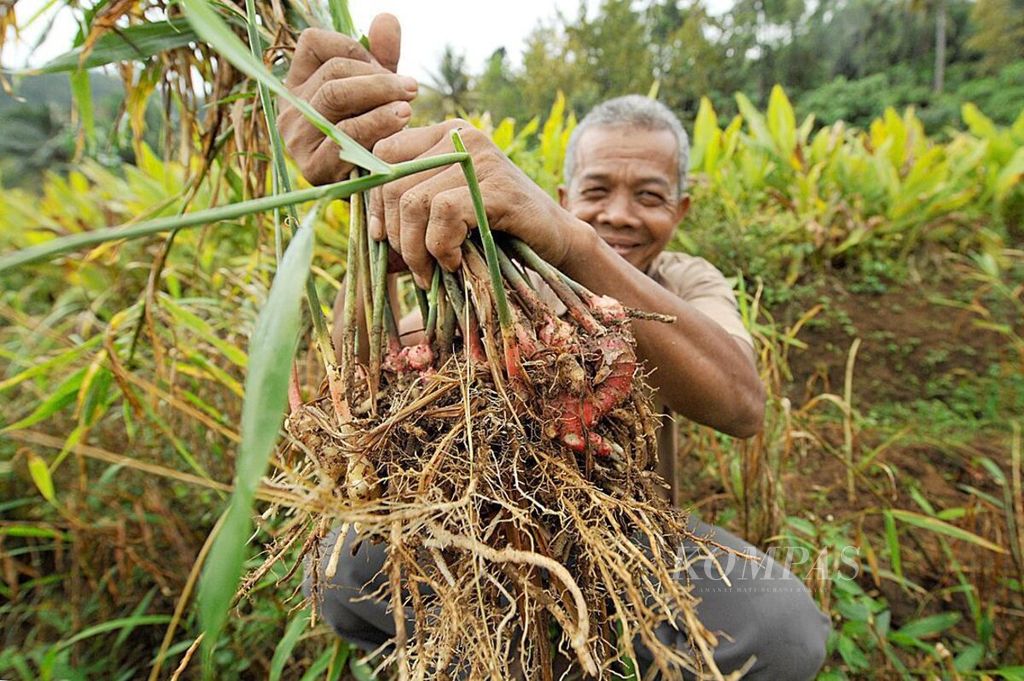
(594, 192)
(651, 198)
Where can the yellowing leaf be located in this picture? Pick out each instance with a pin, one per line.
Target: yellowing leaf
(781, 122)
(1010, 175)
(40, 475)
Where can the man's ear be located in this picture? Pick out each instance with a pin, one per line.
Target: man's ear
(683, 207)
(563, 196)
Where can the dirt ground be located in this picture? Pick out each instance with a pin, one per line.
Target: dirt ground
(929, 391)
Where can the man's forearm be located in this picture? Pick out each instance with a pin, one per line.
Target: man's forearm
(699, 369)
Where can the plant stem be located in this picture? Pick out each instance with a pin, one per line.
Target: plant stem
(508, 335)
(430, 322)
(338, 190)
(553, 278)
(422, 303)
(486, 237)
(446, 334)
(531, 301)
(356, 232)
(379, 274)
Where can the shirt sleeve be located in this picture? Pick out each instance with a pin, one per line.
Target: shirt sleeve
(702, 285)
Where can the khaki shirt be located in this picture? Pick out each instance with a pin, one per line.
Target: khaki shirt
(703, 286)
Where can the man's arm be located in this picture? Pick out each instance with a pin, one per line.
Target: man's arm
(699, 369)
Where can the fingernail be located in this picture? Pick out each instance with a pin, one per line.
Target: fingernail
(402, 109)
(376, 232)
(420, 281)
(409, 84)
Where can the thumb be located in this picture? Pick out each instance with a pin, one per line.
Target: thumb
(386, 40)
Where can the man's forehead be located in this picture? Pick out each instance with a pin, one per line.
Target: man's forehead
(650, 155)
(597, 174)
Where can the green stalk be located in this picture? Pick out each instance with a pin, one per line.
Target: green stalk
(513, 365)
(490, 251)
(531, 301)
(338, 190)
(341, 18)
(356, 231)
(379, 273)
(446, 334)
(430, 321)
(455, 297)
(422, 303)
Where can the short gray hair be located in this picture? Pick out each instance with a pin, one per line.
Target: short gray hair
(636, 111)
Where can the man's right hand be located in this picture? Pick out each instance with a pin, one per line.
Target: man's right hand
(353, 88)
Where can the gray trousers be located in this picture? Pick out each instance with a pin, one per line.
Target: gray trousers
(766, 613)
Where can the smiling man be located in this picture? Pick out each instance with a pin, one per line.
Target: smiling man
(623, 198)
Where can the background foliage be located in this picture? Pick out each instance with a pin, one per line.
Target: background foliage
(878, 262)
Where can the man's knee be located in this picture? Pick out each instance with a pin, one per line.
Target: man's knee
(762, 611)
(345, 599)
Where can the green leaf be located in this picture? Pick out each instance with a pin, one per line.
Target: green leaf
(81, 93)
(755, 121)
(361, 670)
(189, 320)
(332, 660)
(337, 190)
(851, 654)
(113, 625)
(341, 18)
(705, 130)
(977, 122)
(928, 626)
(892, 541)
(40, 473)
(30, 531)
(940, 527)
(286, 645)
(39, 368)
(271, 352)
(969, 659)
(134, 43)
(782, 122)
(64, 395)
(215, 31)
(1010, 175)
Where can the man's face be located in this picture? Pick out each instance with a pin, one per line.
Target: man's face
(625, 185)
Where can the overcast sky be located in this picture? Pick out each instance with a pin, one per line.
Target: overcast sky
(475, 29)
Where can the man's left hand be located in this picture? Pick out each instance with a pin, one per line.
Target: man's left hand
(427, 216)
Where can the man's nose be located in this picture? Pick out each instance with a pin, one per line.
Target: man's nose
(618, 211)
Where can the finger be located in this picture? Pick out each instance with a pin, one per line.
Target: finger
(315, 47)
(434, 180)
(324, 165)
(340, 99)
(451, 218)
(416, 142)
(335, 68)
(386, 40)
(414, 211)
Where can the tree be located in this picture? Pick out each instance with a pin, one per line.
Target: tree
(452, 82)
(497, 90)
(998, 33)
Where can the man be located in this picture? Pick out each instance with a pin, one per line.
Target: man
(622, 200)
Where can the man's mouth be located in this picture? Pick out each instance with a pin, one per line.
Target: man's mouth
(621, 247)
